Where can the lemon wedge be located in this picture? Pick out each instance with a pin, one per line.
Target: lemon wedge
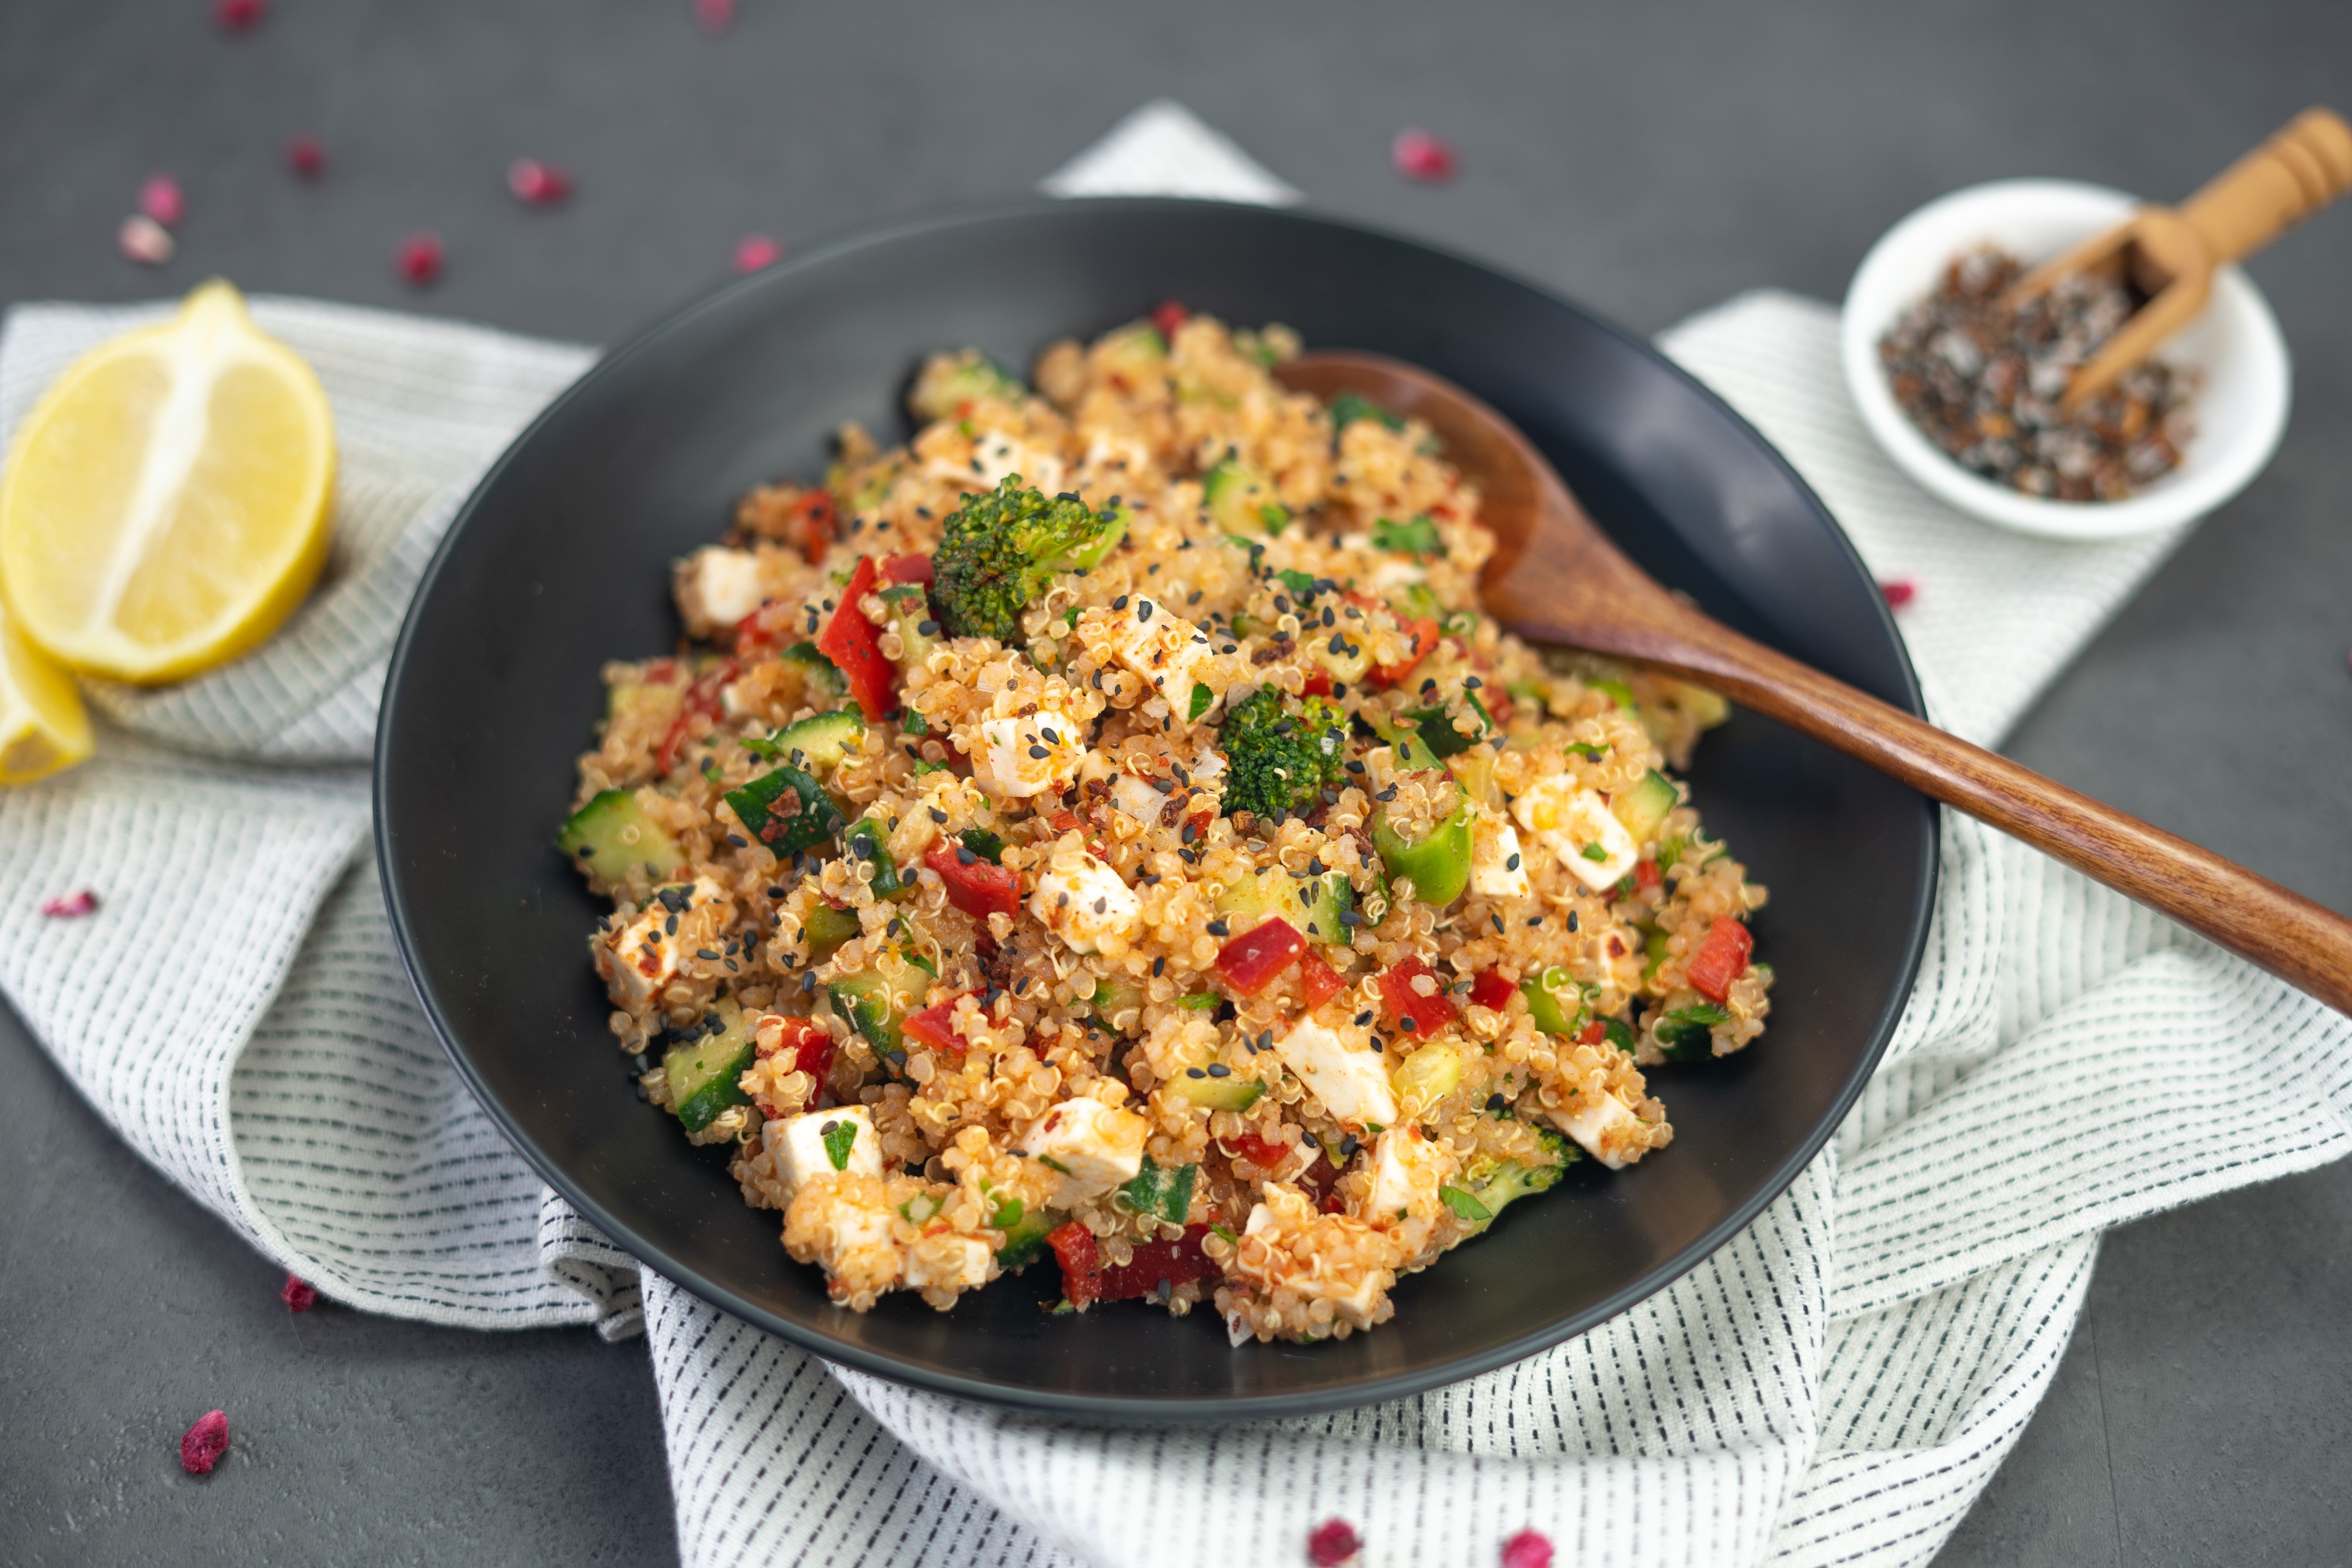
(42, 726)
(165, 508)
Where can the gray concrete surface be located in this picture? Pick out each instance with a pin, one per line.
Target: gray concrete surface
(1648, 160)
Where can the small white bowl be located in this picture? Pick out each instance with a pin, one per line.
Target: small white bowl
(2238, 410)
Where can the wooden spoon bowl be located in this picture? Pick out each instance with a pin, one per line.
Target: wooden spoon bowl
(1556, 578)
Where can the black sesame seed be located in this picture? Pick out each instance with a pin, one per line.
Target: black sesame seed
(1120, 603)
(1039, 753)
(669, 926)
(1513, 863)
(1496, 1102)
(1194, 1072)
(587, 852)
(927, 628)
(1219, 928)
(776, 892)
(1571, 922)
(1143, 608)
(1363, 1018)
(1498, 925)
(1410, 1026)
(1219, 1069)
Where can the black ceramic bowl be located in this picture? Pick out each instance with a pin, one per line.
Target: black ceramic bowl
(560, 561)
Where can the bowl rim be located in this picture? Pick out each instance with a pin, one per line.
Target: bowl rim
(1105, 1409)
(2197, 492)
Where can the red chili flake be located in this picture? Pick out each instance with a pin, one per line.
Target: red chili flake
(540, 185)
(1899, 591)
(305, 156)
(202, 1444)
(71, 906)
(1528, 1549)
(1332, 1543)
(236, 15)
(160, 198)
(1418, 155)
(716, 16)
(300, 1295)
(144, 241)
(420, 258)
(754, 252)
(1169, 315)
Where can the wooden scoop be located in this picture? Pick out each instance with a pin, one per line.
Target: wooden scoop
(2170, 254)
(1555, 578)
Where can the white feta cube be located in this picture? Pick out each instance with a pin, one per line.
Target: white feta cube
(992, 456)
(1169, 651)
(1347, 1074)
(717, 587)
(1091, 1147)
(1023, 756)
(1576, 826)
(1497, 867)
(1137, 799)
(1606, 1128)
(1084, 902)
(801, 1154)
(948, 1262)
(643, 956)
(1408, 1169)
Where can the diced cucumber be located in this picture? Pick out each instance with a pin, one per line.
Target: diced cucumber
(868, 840)
(702, 1073)
(1349, 407)
(612, 832)
(1686, 1034)
(1024, 1231)
(950, 381)
(1241, 500)
(649, 705)
(988, 845)
(1233, 1093)
(1437, 731)
(813, 818)
(1161, 1193)
(817, 743)
(823, 676)
(1115, 1000)
(1439, 863)
(1654, 951)
(1415, 536)
(910, 611)
(1642, 805)
(1617, 692)
(877, 1000)
(1427, 1076)
(827, 928)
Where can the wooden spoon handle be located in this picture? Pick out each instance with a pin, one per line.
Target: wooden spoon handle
(2277, 185)
(2303, 943)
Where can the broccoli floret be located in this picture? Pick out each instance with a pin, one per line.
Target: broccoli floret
(1000, 551)
(1282, 754)
(1492, 1185)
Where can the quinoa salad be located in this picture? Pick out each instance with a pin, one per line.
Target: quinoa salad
(1104, 833)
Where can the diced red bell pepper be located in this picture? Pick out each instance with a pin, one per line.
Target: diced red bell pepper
(812, 523)
(1249, 963)
(1169, 315)
(1318, 684)
(850, 640)
(1074, 1248)
(701, 697)
(1259, 1151)
(1422, 629)
(1175, 1262)
(1721, 958)
(935, 1026)
(1647, 878)
(979, 889)
(914, 569)
(1416, 1014)
(1491, 990)
(1594, 1033)
(808, 1044)
(1319, 982)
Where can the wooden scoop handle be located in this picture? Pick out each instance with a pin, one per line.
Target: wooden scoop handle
(2277, 185)
(2305, 943)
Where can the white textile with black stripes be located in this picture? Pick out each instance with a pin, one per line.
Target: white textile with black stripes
(1835, 1384)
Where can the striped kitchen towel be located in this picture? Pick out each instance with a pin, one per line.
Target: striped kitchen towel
(1836, 1384)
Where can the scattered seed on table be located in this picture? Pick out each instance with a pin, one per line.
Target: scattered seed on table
(715, 16)
(300, 1295)
(202, 1444)
(237, 15)
(753, 252)
(143, 240)
(71, 906)
(305, 156)
(160, 199)
(1528, 1549)
(1899, 591)
(419, 258)
(540, 185)
(1418, 155)
(1332, 1543)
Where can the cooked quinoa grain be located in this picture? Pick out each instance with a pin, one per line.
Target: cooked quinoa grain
(1105, 828)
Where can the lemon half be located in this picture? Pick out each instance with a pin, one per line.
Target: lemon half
(165, 508)
(42, 725)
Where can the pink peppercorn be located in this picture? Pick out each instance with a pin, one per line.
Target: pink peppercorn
(1528, 1549)
(753, 252)
(300, 1295)
(75, 905)
(236, 15)
(202, 1444)
(540, 185)
(1332, 1543)
(305, 156)
(1418, 155)
(160, 199)
(716, 16)
(1899, 591)
(419, 258)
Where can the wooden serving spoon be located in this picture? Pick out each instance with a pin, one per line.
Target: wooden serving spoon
(2169, 254)
(1555, 578)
